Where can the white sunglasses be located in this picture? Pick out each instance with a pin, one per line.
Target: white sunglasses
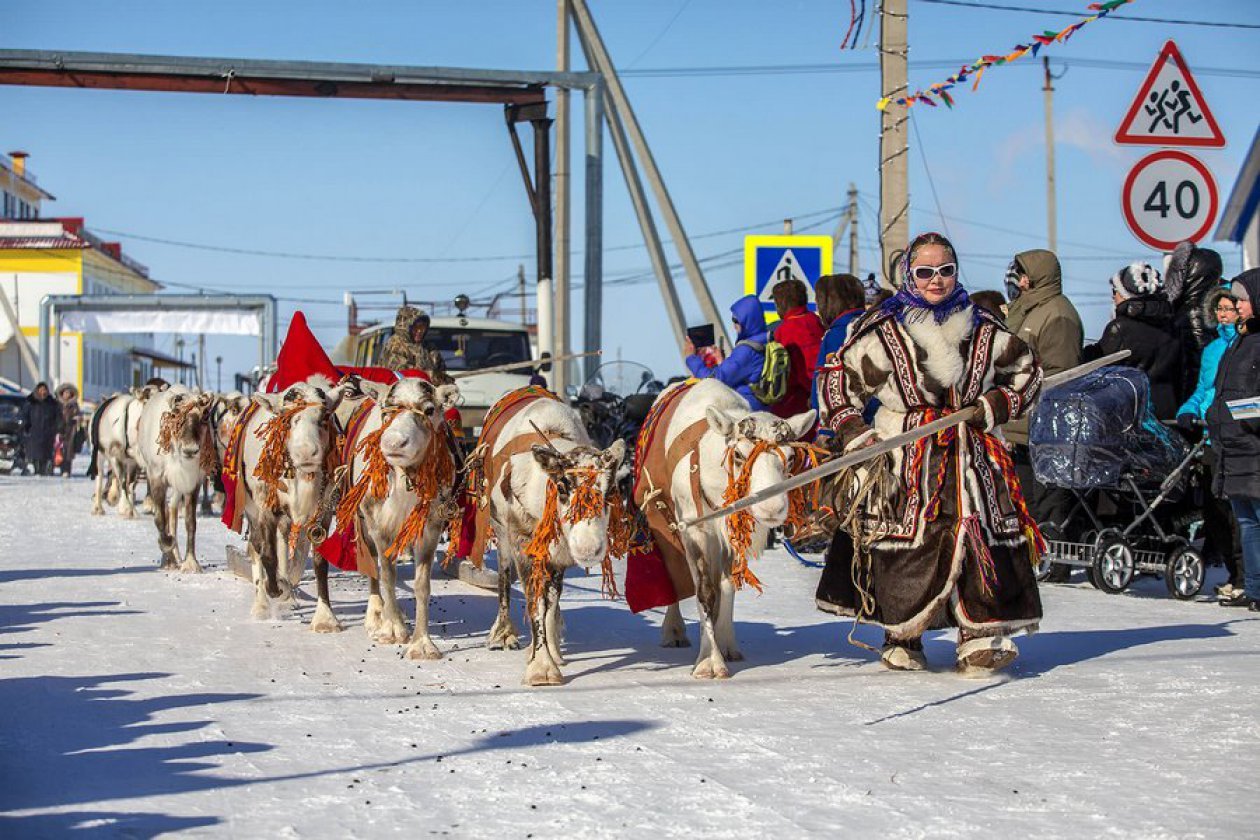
(924, 273)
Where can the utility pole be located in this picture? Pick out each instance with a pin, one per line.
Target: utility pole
(853, 229)
(787, 227)
(1051, 210)
(560, 334)
(894, 138)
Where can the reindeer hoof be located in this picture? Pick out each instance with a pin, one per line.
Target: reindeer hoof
(539, 674)
(190, 567)
(259, 610)
(324, 621)
(733, 655)
(128, 514)
(98, 511)
(393, 632)
(504, 643)
(676, 642)
(169, 566)
(707, 671)
(423, 650)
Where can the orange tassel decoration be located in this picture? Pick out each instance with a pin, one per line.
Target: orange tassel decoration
(437, 470)
(740, 525)
(273, 461)
(538, 549)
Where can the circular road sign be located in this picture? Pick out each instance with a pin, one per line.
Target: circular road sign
(1169, 197)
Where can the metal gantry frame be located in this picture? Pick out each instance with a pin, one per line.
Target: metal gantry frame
(522, 93)
(52, 307)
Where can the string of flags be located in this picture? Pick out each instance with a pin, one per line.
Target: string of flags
(940, 90)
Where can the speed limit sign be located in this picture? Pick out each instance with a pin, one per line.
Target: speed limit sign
(1169, 197)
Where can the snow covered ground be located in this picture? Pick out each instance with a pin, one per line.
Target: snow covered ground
(137, 703)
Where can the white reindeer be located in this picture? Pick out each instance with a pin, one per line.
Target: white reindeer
(403, 453)
(732, 432)
(177, 451)
(289, 440)
(550, 465)
(115, 453)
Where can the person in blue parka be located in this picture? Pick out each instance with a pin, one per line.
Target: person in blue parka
(743, 366)
(1220, 528)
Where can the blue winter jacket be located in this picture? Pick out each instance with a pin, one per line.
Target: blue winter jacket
(833, 339)
(743, 366)
(1198, 402)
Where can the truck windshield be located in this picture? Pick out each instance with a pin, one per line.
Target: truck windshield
(472, 349)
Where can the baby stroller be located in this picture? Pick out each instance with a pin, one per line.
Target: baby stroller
(1130, 477)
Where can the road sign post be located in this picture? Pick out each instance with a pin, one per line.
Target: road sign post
(1169, 196)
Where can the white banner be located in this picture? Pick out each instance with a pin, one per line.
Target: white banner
(164, 321)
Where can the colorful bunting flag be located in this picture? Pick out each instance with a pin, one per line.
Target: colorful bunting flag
(1100, 10)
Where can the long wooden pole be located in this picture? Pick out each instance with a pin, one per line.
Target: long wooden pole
(894, 138)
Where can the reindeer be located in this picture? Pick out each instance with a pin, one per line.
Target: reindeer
(401, 477)
(115, 434)
(548, 492)
(178, 452)
(288, 458)
(719, 444)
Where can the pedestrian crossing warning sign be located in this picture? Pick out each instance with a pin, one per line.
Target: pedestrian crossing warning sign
(1169, 109)
(769, 260)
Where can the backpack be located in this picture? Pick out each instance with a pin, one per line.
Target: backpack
(772, 384)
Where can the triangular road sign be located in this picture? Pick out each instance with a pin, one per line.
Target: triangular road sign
(788, 267)
(1169, 109)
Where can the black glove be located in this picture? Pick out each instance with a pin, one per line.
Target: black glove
(1188, 421)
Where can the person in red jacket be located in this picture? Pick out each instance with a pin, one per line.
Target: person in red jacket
(801, 332)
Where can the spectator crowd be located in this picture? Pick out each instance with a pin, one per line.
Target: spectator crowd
(1191, 330)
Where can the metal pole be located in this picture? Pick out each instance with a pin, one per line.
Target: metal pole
(562, 254)
(520, 290)
(598, 58)
(894, 139)
(787, 227)
(651, 238)
(853, 229)
(1052, 234)
(593, 270)
(542, 192)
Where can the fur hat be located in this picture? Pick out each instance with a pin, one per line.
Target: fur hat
(1137, 279)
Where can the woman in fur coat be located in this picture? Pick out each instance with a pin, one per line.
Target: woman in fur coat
(952, 542)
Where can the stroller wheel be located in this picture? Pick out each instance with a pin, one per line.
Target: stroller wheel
(1112, 566)
(1184, 573)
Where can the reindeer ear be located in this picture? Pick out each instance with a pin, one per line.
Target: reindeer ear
(446, 395)
(719, 421)
(802, 423)
(373, 390)
(240, 402)
(553, 462)
(205, 400)
(271, 402)
(613, 455)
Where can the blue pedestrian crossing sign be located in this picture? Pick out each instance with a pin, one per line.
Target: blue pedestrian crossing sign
(769, 260)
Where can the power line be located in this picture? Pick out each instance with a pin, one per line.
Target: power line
(1116, 15)
(873, 67)
(257, 252)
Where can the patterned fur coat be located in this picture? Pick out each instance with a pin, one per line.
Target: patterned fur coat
(953, 547)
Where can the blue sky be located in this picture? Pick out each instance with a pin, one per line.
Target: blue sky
(414, 180)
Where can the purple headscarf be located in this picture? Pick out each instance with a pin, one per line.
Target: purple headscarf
(909, 301)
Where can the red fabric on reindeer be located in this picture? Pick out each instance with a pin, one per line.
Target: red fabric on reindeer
(648, 583)
(300, 356)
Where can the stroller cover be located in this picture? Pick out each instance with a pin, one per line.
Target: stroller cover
(1088, 432)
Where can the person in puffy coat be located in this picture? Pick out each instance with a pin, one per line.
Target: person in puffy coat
(1238, 377)
(1220, 528)
(1143, 326)
(801, 333)
(743, 366)
(40, 417)
(1042, 317)
(1192, 274)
